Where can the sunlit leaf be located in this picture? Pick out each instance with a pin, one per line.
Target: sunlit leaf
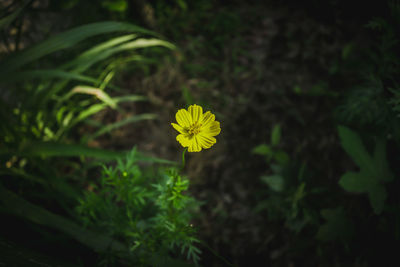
(100, 94)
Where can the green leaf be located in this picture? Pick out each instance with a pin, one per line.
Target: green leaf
(47, 74)
(38, 215)
(116, 125)
(336, 227)
(83, 62)
(264, 150)
(346, 51)
(357, 182)
(130, 98)
(98, 49)
(93, 109)
(299, 194)
(115, 5)
(352, 144)
(374, 171)
(51, 149)
(380, 162)
(276, 135)
(275, 182)
(100, 94)
(281, 157)
(66, 40)
(377, 197)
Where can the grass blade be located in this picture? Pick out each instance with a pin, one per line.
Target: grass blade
(48, 74)
(66, 40)
(116, 125)
(83, 62)
(52, 149)
(98, 49)
(22, 208)
(100, 94)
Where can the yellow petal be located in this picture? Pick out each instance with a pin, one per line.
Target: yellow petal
(183, 140)
(184, 118)
(212, 130)
(179, 128)
(208, 117)
(194, 145)
(196, 112)
(206, 141)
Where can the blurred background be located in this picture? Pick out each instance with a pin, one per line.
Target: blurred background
(304, 172)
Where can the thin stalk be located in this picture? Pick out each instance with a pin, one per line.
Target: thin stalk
(183, 159)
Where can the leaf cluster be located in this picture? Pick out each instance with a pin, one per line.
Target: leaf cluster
(150, 212)
(374, 170)
(49, 89)
(286, 197)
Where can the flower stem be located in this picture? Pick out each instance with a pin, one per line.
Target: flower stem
(183, 158)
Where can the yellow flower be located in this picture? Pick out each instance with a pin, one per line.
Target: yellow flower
(196, 130)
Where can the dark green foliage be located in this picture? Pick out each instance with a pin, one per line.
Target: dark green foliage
(337, 226)
(366, 106)
(146, 210)
(369, 105)
(50, 102)
(272, 152)
(44, 98)
(343, 219)
(287, 186)
(374, 170)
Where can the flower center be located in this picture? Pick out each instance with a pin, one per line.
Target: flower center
(194, 128)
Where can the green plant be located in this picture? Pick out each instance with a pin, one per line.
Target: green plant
(52, 101)
(287, 191)
(40, 107)
(48, 90)
(337, 226)
(374, 169)
(272, 152)
(45, 105)
(147, 210)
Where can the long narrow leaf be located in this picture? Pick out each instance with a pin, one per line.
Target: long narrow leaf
(118, 124)
(83, 63)
(22, 208)
(98, 49)
(51, 149)
(48, 74)
(100, 94)
(65, 40)
(130, 98)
